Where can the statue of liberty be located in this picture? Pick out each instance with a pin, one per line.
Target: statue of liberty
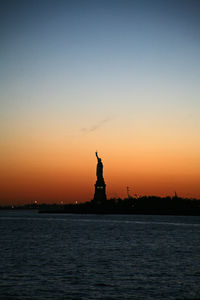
(99, 168)
(100, 186)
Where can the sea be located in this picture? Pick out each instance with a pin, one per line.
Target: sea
(72, 256)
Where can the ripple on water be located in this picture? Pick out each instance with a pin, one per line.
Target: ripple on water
(99, 257)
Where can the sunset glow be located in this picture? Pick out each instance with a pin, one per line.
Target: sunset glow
(120, 77)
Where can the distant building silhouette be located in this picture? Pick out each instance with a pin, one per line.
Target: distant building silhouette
(175, 195)
(100, 186)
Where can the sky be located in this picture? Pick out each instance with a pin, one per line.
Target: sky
(121, 77)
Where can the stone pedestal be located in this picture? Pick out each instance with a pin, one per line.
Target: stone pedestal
(100, 192)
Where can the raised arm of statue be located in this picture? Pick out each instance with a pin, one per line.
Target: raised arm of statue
(97, 155)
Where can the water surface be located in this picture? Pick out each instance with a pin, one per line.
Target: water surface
(63, 256)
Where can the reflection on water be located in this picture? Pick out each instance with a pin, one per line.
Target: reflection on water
(98, 256)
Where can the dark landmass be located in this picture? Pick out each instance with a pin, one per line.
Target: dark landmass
(142, 205)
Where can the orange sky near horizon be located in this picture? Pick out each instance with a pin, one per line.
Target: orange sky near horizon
(53, 171)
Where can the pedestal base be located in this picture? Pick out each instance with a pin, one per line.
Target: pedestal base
(100, 192)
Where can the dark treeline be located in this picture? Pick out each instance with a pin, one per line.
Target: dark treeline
(142, 205)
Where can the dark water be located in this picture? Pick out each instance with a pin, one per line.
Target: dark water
(99, 256)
